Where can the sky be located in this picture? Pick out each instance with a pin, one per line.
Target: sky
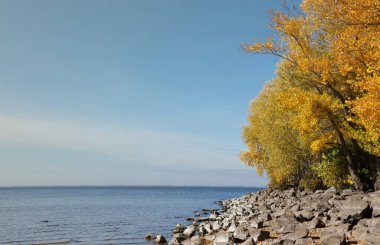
(134, 92)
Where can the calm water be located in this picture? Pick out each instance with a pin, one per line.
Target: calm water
(100, 215)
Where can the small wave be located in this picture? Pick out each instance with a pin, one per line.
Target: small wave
(52, 242)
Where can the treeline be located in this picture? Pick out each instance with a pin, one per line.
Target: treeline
(317, 124)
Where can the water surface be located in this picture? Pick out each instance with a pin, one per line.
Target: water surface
(101, 215)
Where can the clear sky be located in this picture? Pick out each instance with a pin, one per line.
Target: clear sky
(140, 92)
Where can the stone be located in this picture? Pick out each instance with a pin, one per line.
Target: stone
(160, 239)
(300, 231)
(150, 237)
(189, 231)
(333, 235)
(353, 210)
(221, 238)
(174, 242)
(208, 228)
(258, 235)
(315, 223)
(195, 240)
(215, 226)
(257, 224)
(304, 241)
(249, 241)
(375, 205)
(232, 228)
(282, 241)
(180, 236)
(240, 234)
(179, 228)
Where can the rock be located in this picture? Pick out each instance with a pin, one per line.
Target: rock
(353, 210)
(257, 224)
(180, 236)
(333, 235)
(215, 226)
(160, 239)
(304, 241)
(249, 241)
(282, 241)
(174, 242)
(195, 240)
(300, 231)
(258, 235)
(221, 238)
(315, 223)
(150, 237)
(240, 235)
(375, 205)
(189, 231)
(208, 228)
(232, 228)
(179, 228)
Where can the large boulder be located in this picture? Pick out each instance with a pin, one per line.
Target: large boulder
(353, 210)
(333, 235)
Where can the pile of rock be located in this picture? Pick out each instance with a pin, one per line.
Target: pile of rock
(288, 217)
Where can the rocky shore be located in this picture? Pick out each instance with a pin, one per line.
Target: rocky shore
(285, 217)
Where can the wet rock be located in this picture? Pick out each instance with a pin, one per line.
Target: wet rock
(179, 228)
(160, 239)
(150, 237)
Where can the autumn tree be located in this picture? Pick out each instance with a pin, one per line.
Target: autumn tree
(332, 52)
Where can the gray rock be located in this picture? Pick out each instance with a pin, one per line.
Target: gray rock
(300, 231)
(240, 234)
(160, 239)
(258, 235)
(304, 241)
(221, 238)
(232, 228)
(282, 241)
(189, 231)
(195, 240)
(353, 210)
(215, 226)
(257, 224)
(315, 223)
(208, 228)
(375, 205)
(249, 241)
(179, 228)
(174, 242)
(180, 236)
(150, 237)
(333, 235)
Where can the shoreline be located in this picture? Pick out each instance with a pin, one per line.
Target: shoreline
(284, 217)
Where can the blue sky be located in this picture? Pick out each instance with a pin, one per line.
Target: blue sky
(139, 92)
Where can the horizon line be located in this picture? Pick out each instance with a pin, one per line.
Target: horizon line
(121, 186)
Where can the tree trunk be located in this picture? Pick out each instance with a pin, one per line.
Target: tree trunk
(359, 185)
(377, 176)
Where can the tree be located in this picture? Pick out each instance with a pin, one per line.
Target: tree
(333, 50)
